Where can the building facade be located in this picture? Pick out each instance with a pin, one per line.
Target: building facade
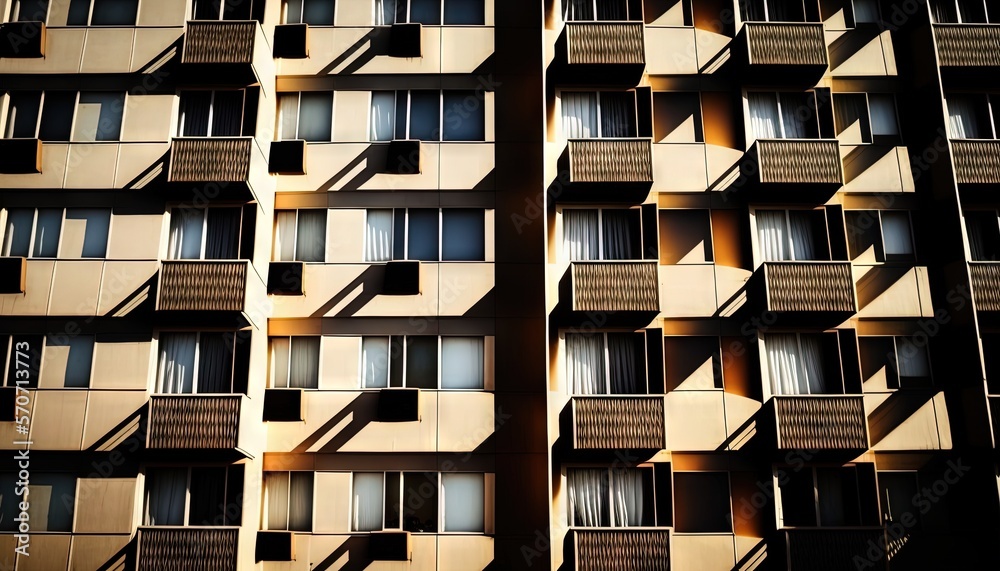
(463, 285)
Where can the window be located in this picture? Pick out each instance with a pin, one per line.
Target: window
(864, 12)
(300, 236)
(882, 235)
(417, 114)
(711, 511)
(204, 234)
(910, 363)
(791, 235)
(412, 234)
(430, 12)
(600, 10)
(772, 11)
(51, 497)
(412, 361)
(865, 118)
(984, 235)
(605, 363)
(413, 501)
(30, 11)
(616, 497)
(965, 11)
(210, 496)
(800, 364)
(827, 497)
(295, 362)
(202, 362)
(601, 234)
(102, 12)
(65, 115)
(897, 491)
(288, 501)
(69, 357)
(972, 116)
(20, 355)
(211, 114)
(601, 114)
(783, 115)
(36, 232)
(307, 115)
(222, 9)
(677, 117)
(312, 12)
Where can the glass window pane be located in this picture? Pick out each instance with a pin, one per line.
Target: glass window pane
(280, 347)
(114, 12)
(300, 501)
(227, 114)
(310, 239)
(52, 497)
(375, 362)
(17, 234)
(392, 501)
(78, 351)
(31, 10)
(425, 115)
(421, 362)
(288, 115)
(57, 116)
(420, 501)
(368, 507)
(883, 114)
(166, 496)
(378, 235)
(896, 233)
(463, 235)
(702, 502)
(79, 12)
(396, 352)
(292, 12)
(317, 12)
(464, 116)
(463, 502)
(276, 500)
(237, 10)
(422, 235)
(205, 10)
(32, 357)
(464, 12)
(399, 234)
(22, 115)
(215, 363)
(208, 496)
(461, 362)
(382, 115)
(316, 116)
(284, 236)
(98, 116)
(47, 229)
(175, 371)
(304, 362)
(911, 359)
(425, 11)
(95, 235)
(222, 237)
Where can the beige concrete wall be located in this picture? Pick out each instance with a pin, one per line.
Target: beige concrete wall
(874, 57)
(79, 419)
(905, 420)
(887, 291)
(100, 165)
(102, 49)
(875, 168)
(703, 551)
(79, 287)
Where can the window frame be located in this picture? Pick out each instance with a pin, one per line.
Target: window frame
(758, 255)
(599, 106)
(439, 507)
(279, 116)
(187, 494)
(600, 232)
(606, 349)
(813, 471)
(4, 248)
(882, 257)
(175, 211)
(439, 355)
(441, 12)
(222, 11)
(275, 255)
(90, 17)
(872, 138)
(265, 512)
(195, 367)
(650, 504)
(406, 235)
(9, 126)
(897, 340)
(16, 16)
(628, 11)
(955, 4)
(288, 371)
(211, 110)
(832, 379)
(814, 121)
(766, 11)
(442, 115)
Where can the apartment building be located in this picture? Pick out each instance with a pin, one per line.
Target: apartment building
(462, 285)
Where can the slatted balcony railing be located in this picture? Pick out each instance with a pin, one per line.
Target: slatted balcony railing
(605, 43)
(821, 422)
(211, 41)
(615, 286)
(610, 160)
(786, 44)
(210, 159)
(833, 549)
(977, 161)
(968, 45)
(810, 287)
(194, 422)
(203, 285)
(799, 161)
(986, 285)
(187, 548)
(623, 550)
(618, 422)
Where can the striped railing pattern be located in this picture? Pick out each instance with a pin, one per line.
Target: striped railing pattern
(611, 160)
(212, 159)
(209, 285)
(786, 43)
(187, 549)
(821, 422)
(976, 161)
(645, 549)
(219, 42)
(968, 45)
(605, 43)
(986, 285)
(799, 161)
(194, 422)
(615, 286)
(833, 549)
(810, 286)
(609, 423)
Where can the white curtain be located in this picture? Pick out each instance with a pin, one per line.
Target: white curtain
(579, 115)
(588, 496)
(310, 235)
(375, 362)
(626, 497)
(276, 499)
(186, 227)
(279, 362)
(284, 236)
(882, 107)
(963, 122)
(303, 366)
(896, 233)
(911, 361)
(581, 239)
(585, 364)
(378, 235)
(368, 508)
(764, 119)
(578, 10)
(166, 495)
(617, 235)
(288, 115)
(461, 362)
(794, 364)
(791, 105)
(385, 11)
(175, 373)
(772, 235)
(463, 502)
(622, 364)
(383, 112)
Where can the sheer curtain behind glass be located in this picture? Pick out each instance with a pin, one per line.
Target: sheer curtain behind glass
(378, 235)
(578, 10)
(588, 497)
(585, 364)
(764, 120)
(310, 235)
(579, 115)
(175, 372)
(186, 225)
(963, 117)
(795, 369)
(383, 115)
(581, 239)
(626, 497)
(461, 362)
(780, 238)
(166, 494)
(284, 236)
(368, 507)
(375, 362)
(276, 499)
(463, 499)
(303, 367)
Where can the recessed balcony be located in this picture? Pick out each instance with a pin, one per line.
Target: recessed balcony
(187, 548)
(832, 549)
(977, 161)
(194, 422)
(802, 165)
(785, 47)
(622, 550)
(618, 422)
(625, 286)
(821, 422)
(809, 287)
(968, 45)
(610, 161)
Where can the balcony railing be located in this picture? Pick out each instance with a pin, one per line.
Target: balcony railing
(615, 286)
(986, 285)
(976, 161)
(618, 422)
(786, 44)
(610, 160)
(605, 43)
(194, 422)
(821, 422)
(623, 550)
(968, 45)
(202, 285)
(799, 161)
(995, 414)
(832, 549)
(809, 287)
(214, 159)
(210, 41)
(187, 549)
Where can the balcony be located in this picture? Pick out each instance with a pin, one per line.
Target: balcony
(187, 548)
(809, 287)
(622, 550)
(976, 161)
(832, 549)
(194, 422)
(618, 422)
(986, 285)
(614, 161)
(227, 52)
(202, 285)
(210, 159)
(784, 47)
(821, 422)
(612, 43)
(804, 166)
(615, 286)
(968, 45)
